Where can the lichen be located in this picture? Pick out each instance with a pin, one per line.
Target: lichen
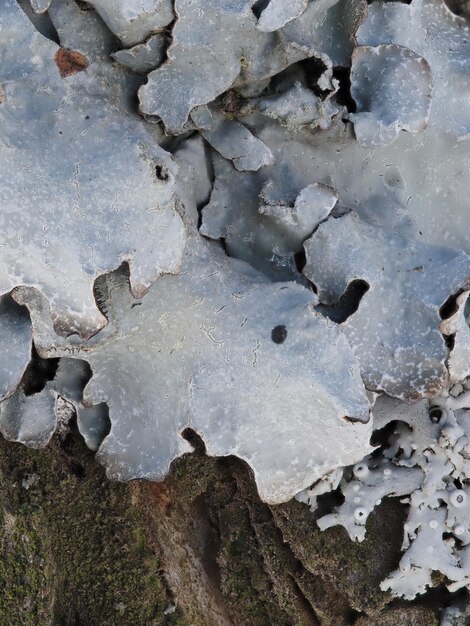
(322, 144)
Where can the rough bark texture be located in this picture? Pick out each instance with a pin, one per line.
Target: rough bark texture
(198, 549)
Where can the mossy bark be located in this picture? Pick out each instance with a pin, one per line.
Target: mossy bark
(198, 549)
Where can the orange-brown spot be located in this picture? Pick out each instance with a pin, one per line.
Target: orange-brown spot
(161, 495)
(70, 61)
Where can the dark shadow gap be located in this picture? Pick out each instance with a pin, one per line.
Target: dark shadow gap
(348, 304)
(38, 373)
(259, 6)
(313, 69)
(343, 95)
(210, 168)
(41, 22)
(450, 306)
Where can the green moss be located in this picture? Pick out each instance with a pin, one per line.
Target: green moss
(245, 583)
(73, 548)
(409, 616)
(354, 569)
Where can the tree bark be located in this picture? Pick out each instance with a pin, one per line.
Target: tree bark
(198, 549)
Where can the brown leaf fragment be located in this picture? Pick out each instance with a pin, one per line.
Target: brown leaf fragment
(70, 61)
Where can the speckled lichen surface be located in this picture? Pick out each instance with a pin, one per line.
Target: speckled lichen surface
(246, 222)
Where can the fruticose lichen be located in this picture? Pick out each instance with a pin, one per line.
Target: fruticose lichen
(249, 219)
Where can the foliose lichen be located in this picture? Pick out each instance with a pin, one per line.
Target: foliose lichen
(265, 240)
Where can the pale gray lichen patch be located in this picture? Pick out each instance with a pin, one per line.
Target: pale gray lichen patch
(28, 419)
(313, 205)
(330, 26)
(70, 211)
(432, 31)
(298, 106)
(32, 417)
(395, 331)
(40, 6)
(198, 351)
(392, 88)
(234, 385)
(235, 142)
(143, 57)
(278, 13)
(215, 44)
(135, 21)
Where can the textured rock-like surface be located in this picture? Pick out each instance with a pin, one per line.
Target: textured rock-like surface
(155, 543)
(395, 331)
(63, 222)
(392, 88)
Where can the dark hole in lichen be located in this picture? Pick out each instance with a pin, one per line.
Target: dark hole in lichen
(313, 69)
(38, 373)
(326, 502)
(450, 306)
(100, 287)
(399, 453)
(352, 616)
(300, 260)
(343, 95)
(223, 243)
(435, 414)
(348, 304)
(381, 437)
(279, 334)
(195, 440)
(259, 6)
(161, 172)
(449, 341)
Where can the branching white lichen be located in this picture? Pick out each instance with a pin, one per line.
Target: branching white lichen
(426, 459)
